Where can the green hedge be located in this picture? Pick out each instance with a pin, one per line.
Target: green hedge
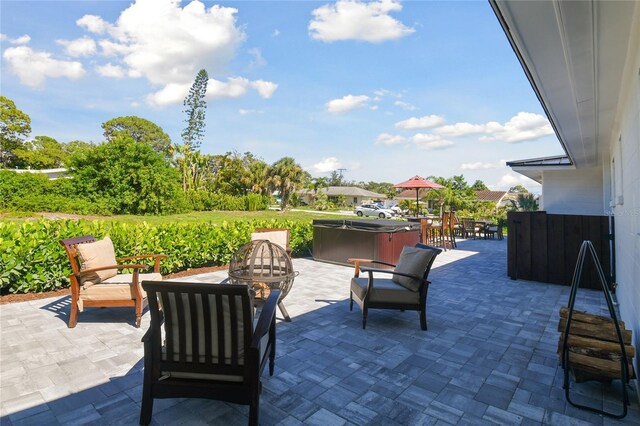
(32, 260)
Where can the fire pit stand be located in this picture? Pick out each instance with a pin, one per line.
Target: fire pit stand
(263, 266)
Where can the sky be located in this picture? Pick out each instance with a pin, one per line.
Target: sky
(383, 90)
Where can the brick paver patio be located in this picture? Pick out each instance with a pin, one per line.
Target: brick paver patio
(488, 357)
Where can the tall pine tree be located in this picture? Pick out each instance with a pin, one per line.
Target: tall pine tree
(195, 106)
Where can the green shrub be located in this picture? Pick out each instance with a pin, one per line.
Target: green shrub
(254, 202)
(34, 192)
(32, 260)
(129, 176)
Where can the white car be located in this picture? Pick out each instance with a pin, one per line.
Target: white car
(373, 210)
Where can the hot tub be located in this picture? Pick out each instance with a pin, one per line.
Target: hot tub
(335, 241)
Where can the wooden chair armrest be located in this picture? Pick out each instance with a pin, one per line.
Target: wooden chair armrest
(104, 268)
(157, 257)
(357, 263)
(267, 315)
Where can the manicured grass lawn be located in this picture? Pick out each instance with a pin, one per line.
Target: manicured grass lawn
(216, 217)
(220, 216)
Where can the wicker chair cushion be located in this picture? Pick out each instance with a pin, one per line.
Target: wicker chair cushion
(384, 290)
(276, 237)
(172, 325)
(96, 255)
(412, 261)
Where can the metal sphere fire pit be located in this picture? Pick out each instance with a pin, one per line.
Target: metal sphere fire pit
(263, 266)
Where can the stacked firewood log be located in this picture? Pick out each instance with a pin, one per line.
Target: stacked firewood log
(594, 348)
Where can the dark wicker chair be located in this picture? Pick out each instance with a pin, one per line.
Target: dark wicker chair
(372, 292)
(209, 348)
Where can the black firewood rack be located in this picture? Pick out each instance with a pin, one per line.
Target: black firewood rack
(587, 247)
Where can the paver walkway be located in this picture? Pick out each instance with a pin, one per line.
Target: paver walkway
(488, 357)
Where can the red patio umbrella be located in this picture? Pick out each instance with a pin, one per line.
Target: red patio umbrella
(417, 183)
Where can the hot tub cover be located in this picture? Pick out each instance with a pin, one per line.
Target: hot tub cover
(372, 225)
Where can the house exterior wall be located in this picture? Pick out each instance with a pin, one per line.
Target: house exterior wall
(625, 197)
(573, 191)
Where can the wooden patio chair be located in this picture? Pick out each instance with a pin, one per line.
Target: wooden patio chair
(405, 289)
(202, 343)
(469, 228)
(278, 236)
(95, 281)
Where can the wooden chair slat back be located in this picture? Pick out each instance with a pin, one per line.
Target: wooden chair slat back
(70, 246)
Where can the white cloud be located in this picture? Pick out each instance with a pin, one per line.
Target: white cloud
(168, 44)
(264, 88)
(429, 142)
(326, 165)
(20, 41)
(110, 48)
(3, 37)
(169, 94)
(94, 24)
(404, 105)
(464, 129)
(83, 46)
(110, 70)
(355, 20)
(524, 126)
(258, 59)
(275, 33)
(425, 122)
(242, 111)
(387, 139)
(481, 166)
(234, 87)
(34, 67)
(347, 103)
(512, 179)
(386, 92)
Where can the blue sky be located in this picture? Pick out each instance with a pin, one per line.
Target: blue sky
(385, 90)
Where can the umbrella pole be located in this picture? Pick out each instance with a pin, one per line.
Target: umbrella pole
(417, 204)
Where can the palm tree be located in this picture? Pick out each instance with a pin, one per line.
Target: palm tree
(286, 176)
(525, 203)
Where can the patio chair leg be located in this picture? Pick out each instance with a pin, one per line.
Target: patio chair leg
(73, 315)
(254, 408)
(147, 406)
(423, 320)
(364, 318)
(138, 313)
(350, 301)
(285, 314)
(138, 320)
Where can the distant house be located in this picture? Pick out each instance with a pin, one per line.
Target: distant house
(352, 194)
(410, 195)
(500, 198)
(52, 174)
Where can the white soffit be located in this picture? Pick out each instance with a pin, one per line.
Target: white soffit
(574, 54)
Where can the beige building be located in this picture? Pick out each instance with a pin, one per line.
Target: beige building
(353, 195)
